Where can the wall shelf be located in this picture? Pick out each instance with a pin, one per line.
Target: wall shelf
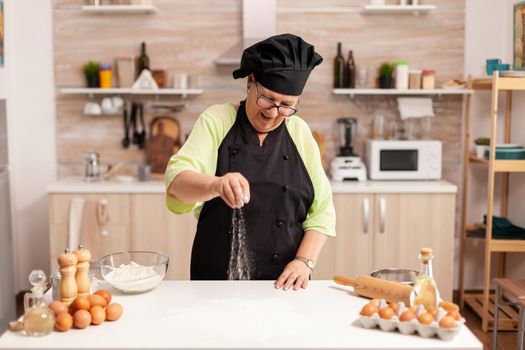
(398, 9)
(120, 9)
(354, 92)
(126, 91)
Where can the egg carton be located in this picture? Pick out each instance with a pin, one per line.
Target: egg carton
(412, 326)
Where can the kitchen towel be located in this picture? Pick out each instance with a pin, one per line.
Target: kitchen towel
(76, 211)
(414, 107)
(94, 226)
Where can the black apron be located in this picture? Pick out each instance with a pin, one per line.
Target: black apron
(281, 194)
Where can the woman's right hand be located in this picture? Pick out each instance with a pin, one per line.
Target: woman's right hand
(233, 188)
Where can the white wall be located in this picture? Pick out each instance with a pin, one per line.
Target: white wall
(26, 82)
(488, 34)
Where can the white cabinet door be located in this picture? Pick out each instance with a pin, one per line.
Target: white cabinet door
(351, 252)
(404, 223)
(155, 228)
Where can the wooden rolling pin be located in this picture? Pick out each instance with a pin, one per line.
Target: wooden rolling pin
(375, 288)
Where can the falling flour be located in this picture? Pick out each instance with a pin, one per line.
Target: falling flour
(239, 267)
(133, 277)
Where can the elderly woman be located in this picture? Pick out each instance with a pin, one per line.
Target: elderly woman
(260, 156)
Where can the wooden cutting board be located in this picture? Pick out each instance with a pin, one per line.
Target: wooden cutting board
(163, 142)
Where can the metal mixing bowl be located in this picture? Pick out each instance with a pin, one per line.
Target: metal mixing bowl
(394, 274)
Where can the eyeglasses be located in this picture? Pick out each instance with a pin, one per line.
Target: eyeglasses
(267, 103)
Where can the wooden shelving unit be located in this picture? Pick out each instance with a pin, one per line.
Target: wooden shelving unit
(406, 9)
(483, 303)
(127, 92)
(120, 9)
(354, 92)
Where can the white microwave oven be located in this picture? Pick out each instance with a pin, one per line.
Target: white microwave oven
(404, 159)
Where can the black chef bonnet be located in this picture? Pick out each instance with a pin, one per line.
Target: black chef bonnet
(281, 63)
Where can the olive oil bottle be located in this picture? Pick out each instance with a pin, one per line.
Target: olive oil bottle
(425, 289)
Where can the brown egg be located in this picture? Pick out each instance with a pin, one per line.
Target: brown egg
(58, 307)
(448, 306)
(82, 319)
(386, 313)
(447, 322)
(375, 302)
(432, 310)
(80, 303)
(426, 318)
(97, 300)
(408, 315)
(369, 309)
(455, 315)
(104, 293)
(393, 305)
(98, 315)
(114, 311)
(63, 322)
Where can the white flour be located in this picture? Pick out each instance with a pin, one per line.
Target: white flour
(240, 265)
(134, 277)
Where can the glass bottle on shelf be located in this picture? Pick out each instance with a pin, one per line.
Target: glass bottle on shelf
(425, 290)
(339, 68)
(143, 61)
(39, 319)
(350, 71)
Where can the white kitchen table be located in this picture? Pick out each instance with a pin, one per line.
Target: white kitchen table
(237, 315)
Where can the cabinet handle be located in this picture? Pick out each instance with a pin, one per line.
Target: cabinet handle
(366, 214)
(382, 215)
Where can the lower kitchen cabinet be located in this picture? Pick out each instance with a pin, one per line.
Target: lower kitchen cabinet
(374, 230)
(155, 228)
(135, 222)
(377, 231)
(112, 237)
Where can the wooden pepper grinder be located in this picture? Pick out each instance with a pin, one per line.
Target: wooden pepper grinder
(82, 275)
(68, 285)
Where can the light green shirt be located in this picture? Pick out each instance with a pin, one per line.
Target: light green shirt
(199, 153)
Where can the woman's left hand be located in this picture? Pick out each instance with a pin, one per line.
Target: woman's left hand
(295, 274)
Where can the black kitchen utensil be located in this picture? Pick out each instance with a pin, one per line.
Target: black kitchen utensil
(142, 134)
(135, 135)
(125, 140)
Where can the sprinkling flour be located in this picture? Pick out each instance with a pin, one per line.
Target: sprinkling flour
(133, 277)
(239, 267)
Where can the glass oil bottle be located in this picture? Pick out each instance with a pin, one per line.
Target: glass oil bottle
(39, 319)
(425, 289)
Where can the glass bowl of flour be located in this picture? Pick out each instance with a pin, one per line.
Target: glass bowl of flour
(134, 272)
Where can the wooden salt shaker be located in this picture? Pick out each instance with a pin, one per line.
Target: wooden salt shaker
(82, 274)
(68, 285)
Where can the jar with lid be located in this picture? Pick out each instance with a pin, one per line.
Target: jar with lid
(414, 79)
(39, 319)
(105, 75)
(401, 75)
(428, 80)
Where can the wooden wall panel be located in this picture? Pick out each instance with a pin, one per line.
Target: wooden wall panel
(187, 36)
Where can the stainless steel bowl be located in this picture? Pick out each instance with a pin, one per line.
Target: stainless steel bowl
(394, 274)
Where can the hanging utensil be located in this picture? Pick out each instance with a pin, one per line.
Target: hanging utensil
(135, 135)
(125, 140)
(142, 134)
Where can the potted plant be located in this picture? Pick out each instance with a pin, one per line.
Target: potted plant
(482, 144)
(385, 75)
(90, 70)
